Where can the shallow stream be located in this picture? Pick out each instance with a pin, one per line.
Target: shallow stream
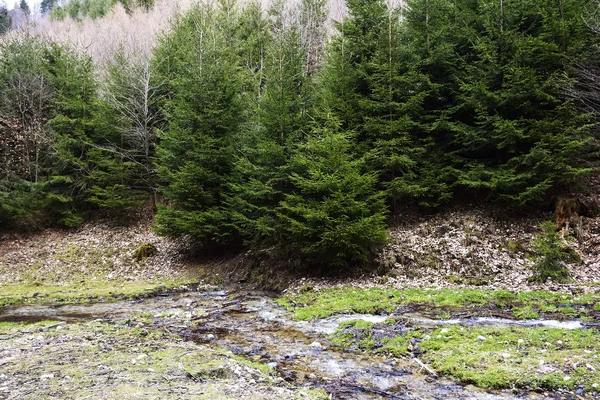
(251, 325)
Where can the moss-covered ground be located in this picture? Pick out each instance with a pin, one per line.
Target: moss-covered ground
(87, 290)
(310, 304)
(494, 358)
(126, 361)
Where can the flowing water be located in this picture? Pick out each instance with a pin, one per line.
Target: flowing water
(250, 324)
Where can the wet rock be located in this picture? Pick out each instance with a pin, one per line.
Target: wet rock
(590, 367)
(316, 346)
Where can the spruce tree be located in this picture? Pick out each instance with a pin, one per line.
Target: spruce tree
(276, 124)
(24, 7)
(50, 95)
(5, 20)
(334, 216)
(48, 5)
(372, 85)
(511, 133)
(200, 64)
(75, 127)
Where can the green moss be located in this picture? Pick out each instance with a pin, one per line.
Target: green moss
(551, 255)
(7, 326)
(526, 312)
(356, 324)
(265, 369)
(144, 251)
(515, 247)
(355, 332)
(320, 304)
(89, 290)
(519, 357)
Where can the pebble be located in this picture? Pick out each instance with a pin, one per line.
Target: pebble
(272, 365)
(47, 376)
(520, 341)
(506, 355)
(559, 342)
(316, 345)
(590, 367)
(481, 338)
(445, 330)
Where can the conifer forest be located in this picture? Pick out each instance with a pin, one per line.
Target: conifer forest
(253, 125)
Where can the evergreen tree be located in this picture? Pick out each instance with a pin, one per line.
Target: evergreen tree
(5, 20)
(200, 65)
(24, 110)
(372, 85)
(47, 5)
(75, 127)
(24, 7)
(50, 97)
(276, 125)
(333, 215)
(497, 112)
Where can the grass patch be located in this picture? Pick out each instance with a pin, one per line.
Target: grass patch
(519, 357)
(78, 292)
(310, 304)
(491, 358)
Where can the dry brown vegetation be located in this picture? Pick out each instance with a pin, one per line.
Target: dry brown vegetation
(137, 32)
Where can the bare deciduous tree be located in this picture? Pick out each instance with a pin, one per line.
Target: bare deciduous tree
(132, 93)
(586, 88)
(28, 99)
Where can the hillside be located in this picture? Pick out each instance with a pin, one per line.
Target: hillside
(313, 199)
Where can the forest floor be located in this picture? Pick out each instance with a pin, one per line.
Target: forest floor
(453, 301)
